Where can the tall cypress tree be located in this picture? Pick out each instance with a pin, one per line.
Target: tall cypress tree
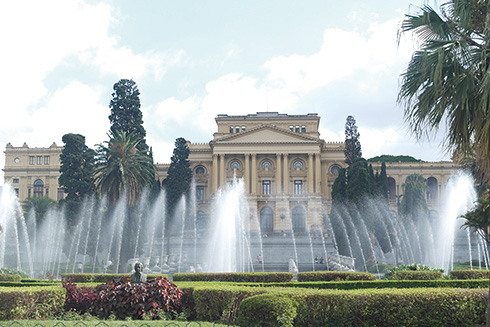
(179, 176)
(126, 115)
(352, 144)
(77, 167)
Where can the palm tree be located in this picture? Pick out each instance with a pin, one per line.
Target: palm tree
(447, 81)
(121, 167)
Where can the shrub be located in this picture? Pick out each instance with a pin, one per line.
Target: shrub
(9, 271)
(78, 299)
(333, 276)
(414, 271)
(470, 274)
(103, 278)
(137, 300)
(256, 277)
(31, 303)
(10, 278)
(272, 309)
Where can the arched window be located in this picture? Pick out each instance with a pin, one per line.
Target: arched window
(334, 169)
(298, 164)
(200, 170)
(299, 219)
(266, 220)
(235, 165)
(266, 164)
(431, 188)
(38, 188)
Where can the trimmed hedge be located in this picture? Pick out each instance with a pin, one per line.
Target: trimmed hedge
(103, 278)
(374, 307)
(31, 303)
(417, 275)
(255, 277)
(273, 309)
(470, 274)
(313, 276)
(10, 278)
(353, 285)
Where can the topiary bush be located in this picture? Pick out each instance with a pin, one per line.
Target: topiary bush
(78, 299)
(103, 278)
(313, 276)
(271, 309)
(9, 271)
(470, 274)
(414, 271)
(10, 278)
(255, 277)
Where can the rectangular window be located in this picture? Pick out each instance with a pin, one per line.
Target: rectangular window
(29, 193)
(291, 128)
(297, 129)
(199, 193)
(31, 160)
(61, 194)
(303, 129)
(298, 187)
(238, 129)
(15, 181)
(39, 160)
(16, 191)
(46, 160)
(231, 129)
(243, 128)
(266, 187)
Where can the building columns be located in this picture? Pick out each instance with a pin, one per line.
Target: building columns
(214, 181)
(246, 173)
(285, 183)
(222, 170)
(318, 174)
(254, 173)
(278, 174)
(309, 173)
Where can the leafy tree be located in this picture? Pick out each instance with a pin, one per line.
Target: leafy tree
(339, 187)
(121, 167)
(40, 204)
(359, 182)
(352, 145)
(478, 217)
(381, 182)
(77, 167)
(413, 202)
(179, 174)
(126, 115)
(391, 158)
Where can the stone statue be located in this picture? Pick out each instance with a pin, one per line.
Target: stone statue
(138, 276)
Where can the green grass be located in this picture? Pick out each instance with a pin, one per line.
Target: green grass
(106, 323)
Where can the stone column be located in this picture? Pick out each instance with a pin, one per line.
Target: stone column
(246, 173)
(278, 174)
(285, 183)
(309, 173)
(214, 176)
(318, 174)
(254, 174)
(222, 170)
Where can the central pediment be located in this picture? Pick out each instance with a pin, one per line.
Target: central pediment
(267, 134)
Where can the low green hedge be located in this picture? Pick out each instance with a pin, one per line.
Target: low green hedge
(10, 278)
(274, 309)
(103, 278)
(255, 277)
(31, 303)
(29, 284)
(470, 274)
(353, 285)
(373, 307)
(333, 276)
(417, 275)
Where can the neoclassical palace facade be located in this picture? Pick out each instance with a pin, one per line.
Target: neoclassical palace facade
(286, 167)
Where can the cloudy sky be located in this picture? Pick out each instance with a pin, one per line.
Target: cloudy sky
(193, 60)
